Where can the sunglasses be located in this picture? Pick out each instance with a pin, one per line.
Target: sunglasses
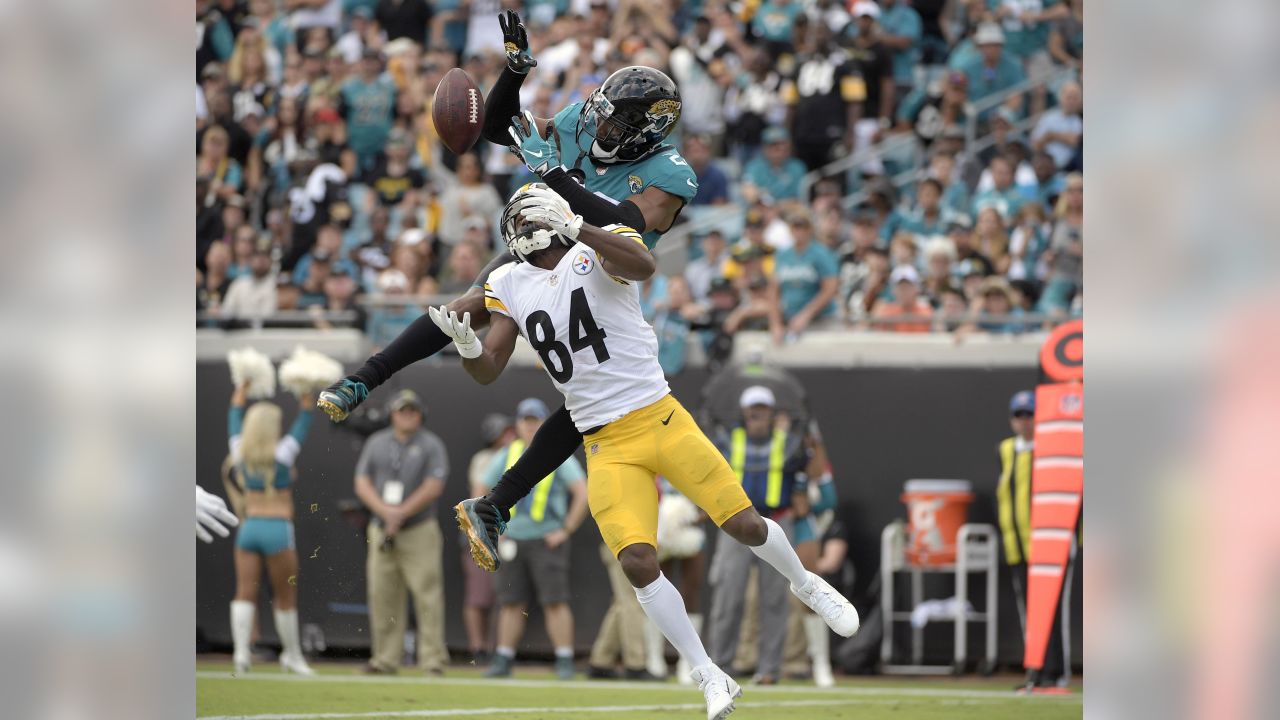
(1024, 414)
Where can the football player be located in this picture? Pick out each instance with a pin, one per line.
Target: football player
(606, 156)
(573, 295)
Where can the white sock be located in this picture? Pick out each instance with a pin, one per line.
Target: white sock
(664, 606)
(241, 627)
(695, 619)
(777, 551)
(287, 629)
(564, 652)
(506, 652)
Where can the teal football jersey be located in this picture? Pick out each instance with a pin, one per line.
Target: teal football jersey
(665, 169)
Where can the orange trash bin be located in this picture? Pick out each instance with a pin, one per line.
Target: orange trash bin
(935, 511)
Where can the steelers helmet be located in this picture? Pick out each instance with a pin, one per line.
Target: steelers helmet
(521, 237)
(630, 115)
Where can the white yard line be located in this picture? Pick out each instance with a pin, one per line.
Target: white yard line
(561, 710)
(881, 691)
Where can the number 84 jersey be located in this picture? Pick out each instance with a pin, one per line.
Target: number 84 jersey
(587, 328)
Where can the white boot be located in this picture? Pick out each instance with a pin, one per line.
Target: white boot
(241, 629)
(655, 646)
(830, 605)
(718, 688)
(819, 637)
(682, 668)
(291, 659)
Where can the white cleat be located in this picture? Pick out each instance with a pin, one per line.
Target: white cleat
(295, 665)
(831, 606)
(241, 666)
(718, 688)
(822, 676)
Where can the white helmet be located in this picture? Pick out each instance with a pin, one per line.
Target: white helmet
(529, 238)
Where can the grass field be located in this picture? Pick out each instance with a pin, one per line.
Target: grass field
(339, 692)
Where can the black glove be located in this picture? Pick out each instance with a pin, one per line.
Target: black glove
(493, 517)
(516, 42)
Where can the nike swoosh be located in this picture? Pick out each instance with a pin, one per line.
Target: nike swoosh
(695, 187)
(536, 153)
(664, 422)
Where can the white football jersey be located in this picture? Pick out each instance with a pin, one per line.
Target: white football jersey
(587, 328)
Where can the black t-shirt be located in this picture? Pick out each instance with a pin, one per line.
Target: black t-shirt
(404, 18)
(929, 122)
(330, 152)
(930, 12)
(391, 188)
(823, 86)
(874, 63)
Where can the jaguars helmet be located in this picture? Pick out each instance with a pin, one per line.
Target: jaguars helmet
(521, 237)
(630, 115)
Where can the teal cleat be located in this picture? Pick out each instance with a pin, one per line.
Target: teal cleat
(340, 398)
(483, 523)
(564, 668)
(501, 667)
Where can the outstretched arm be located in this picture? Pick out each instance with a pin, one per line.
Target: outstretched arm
(484, 364)
(504, 99)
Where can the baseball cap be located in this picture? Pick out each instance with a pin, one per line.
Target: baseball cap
(960, 222)
(774, 134)
(904, 273)
(866, 8)
(721, 284)
(757, 395)
(1023, 401)
(403, 399)
(493, 425)
(988, 34)
(532, 407)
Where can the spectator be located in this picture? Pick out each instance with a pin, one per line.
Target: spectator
(224, 173)
(906, 303)
(1065, 256)
(374, 255)
(991, 70)
(214, 38)
(469, 195)
(368, 103)
(496, 431)
(252, 296)
(767, 459)
(1048, 182)
(217, 274)
(775, 173)
(760, 310)
(317, 274)
(540, 527)
(393, 181)
(1027, 243)
(399, 476)
(874, 62)
(717, 339)
(806, 278)
(339, 297)
(854, 267)
(968, 259)
(243, 244)
(903, 250)
(1066, 38)
(995, 309)
(221, 115)
(713, 184)
(404, 19)
(328, 244)
(697, 68)
(1004, 196)
(465, 263)
(1026, 29)
(953, 309)
(672, 324)
(830, 229)
(410, 259)
(824, 100)
(653, 293)
(774, 22)
(939, 257)
(701, 272)
(927, 217)
(287, 294)
(901, 31)
(1059, 130)
(753, 103)
(991, 238)
(942, 106)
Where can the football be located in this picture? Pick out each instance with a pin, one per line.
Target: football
(458, 111)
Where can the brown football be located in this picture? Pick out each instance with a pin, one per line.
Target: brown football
(458, 111)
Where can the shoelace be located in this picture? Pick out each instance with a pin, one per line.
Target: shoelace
(824, 602)
(706, 682)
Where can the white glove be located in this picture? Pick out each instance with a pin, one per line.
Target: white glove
(544, 205)
(211, 513)
(460, 330)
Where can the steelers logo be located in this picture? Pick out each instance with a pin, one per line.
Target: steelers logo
(583, 263)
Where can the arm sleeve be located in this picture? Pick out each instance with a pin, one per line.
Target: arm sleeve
(593, 208)
(502, 104)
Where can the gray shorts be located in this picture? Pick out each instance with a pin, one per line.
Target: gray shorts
(535, 567)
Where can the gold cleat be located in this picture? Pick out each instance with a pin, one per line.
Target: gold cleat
(334, 412)
(484, 555)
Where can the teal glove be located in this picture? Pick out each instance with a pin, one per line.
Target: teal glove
(537, 153)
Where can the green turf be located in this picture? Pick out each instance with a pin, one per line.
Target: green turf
(266, 692)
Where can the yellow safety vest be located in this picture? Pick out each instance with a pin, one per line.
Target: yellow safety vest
(1013, 493)
(777, 458)
(541, 491)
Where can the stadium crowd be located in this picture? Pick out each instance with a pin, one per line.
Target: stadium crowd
(895, 166)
